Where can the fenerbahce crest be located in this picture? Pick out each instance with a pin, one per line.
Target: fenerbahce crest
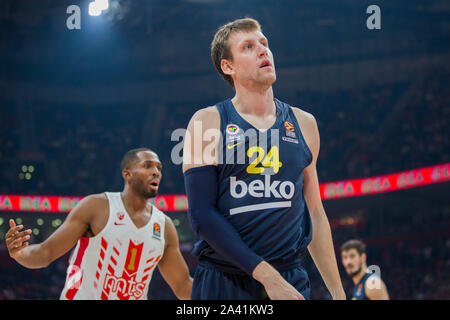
(233, 133)
(232, 129)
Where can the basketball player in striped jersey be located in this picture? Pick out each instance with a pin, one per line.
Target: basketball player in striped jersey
(120, 238)
(368, 285)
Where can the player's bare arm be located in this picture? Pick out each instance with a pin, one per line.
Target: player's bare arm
(77, 224)
(172, 265)
(196, 151)
(321, 247)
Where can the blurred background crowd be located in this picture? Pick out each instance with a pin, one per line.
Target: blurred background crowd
(74, 101)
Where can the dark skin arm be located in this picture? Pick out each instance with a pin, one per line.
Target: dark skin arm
(78, 223)
(172, 266)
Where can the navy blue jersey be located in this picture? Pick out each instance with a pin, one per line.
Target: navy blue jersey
(261, 185)
(359, 290)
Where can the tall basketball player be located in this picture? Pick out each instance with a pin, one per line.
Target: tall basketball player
(120, 238)
(250, 175)
(368, 286)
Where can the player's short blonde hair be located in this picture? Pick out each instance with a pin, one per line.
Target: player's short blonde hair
(220, 47)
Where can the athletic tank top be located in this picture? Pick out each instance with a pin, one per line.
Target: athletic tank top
(261, 186)
(118, 263)
(359, 291)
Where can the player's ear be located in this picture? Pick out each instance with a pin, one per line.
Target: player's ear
(126, 174)
(227, 67)
(364, 257)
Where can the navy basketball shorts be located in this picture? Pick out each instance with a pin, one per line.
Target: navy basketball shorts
(211, 283)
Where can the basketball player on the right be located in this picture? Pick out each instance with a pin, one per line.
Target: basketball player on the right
(368, 286)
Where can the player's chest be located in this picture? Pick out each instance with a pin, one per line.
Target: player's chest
(263, 152)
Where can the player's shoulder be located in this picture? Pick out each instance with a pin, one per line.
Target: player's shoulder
(303, 116)
(206, 114)
(307, 123)
(170, 231)
(309, 129)
(162, 216)
(91, 206)
(209, 118)
(168, 220)
(95, 201)
(97, 198)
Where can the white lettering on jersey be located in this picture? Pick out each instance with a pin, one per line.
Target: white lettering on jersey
(259, 189)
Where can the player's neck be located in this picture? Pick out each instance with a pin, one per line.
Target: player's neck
(133, 203)
(254, 101)
(357, 278)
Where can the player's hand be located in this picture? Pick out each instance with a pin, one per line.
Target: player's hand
(282, 290)
(16, 240)
(276, 286)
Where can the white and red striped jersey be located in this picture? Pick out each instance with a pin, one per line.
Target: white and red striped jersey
(117, 263)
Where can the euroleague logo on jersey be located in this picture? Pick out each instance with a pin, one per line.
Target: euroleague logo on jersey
(289, 126)
(359, 289)
(156, 231)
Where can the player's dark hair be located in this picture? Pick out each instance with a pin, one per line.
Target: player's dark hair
(220, 48)
(354, 244)
(131, 156)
